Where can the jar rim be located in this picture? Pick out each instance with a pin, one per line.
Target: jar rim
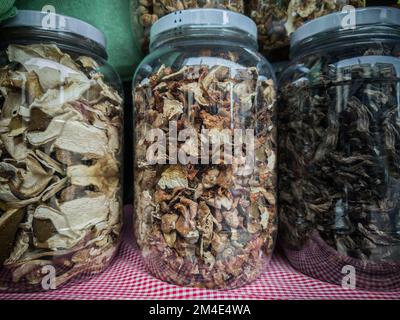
(57, 28)
(207, 19)
(348, 20)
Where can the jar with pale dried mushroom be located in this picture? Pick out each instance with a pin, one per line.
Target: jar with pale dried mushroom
(205, 152)
(60, 154)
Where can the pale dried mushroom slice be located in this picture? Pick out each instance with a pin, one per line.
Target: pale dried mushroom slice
(53, 131)
(84, 139)
(53, 101)
(15, 147)
(47, 52)
(33, 180)
(107, 166)
(172, 109)
(9, 222)
(173, 177)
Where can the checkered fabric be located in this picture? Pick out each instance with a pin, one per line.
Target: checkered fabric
(127, 279)
(320, 261)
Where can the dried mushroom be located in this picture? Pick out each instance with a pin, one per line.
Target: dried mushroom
(164, 7)
(60, 145)
(339, 160)
(278, 19)
(200, 223)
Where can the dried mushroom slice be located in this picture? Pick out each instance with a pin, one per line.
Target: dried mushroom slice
(47, 52)
(9, 222)
(173, 177)
(70, 222)
(45, 74)
(53, 102)
(84, 139)
(33, 180)
(85, 176)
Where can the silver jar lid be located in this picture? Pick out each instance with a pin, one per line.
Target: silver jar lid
(204, 18)
(344, 20)
(56, 22)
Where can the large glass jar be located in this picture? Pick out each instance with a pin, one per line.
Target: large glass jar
(145, 13)
(205, 137)
(339, 150)
(60, 152)
(278, 19)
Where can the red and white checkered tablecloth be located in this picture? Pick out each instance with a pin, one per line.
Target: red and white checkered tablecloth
(127, 279)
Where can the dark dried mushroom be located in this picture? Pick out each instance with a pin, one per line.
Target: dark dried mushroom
(340, 162)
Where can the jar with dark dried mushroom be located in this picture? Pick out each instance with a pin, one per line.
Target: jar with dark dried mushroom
(144, 13)
(60, 153)
(339, 150)
(205, 162)
(278, 19)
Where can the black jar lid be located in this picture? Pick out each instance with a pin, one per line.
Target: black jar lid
(373, 16)
(68, 32)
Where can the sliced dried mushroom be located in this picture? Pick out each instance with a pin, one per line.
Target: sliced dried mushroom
(194, 222)
(60, 126)
(339, 168)
(77, 137)
(173, 177)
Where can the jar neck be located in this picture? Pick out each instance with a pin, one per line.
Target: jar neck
(203, 37)
(65, 41)
(343, 40)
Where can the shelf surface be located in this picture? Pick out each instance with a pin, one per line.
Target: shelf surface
(127, 279)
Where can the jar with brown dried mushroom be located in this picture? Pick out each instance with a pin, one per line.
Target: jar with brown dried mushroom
(205, 162)
(144, 13)
(278, 19)
(339, 138)
(60, 153)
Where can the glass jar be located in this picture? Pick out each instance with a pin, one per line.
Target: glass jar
(278, 19)
(205, 144)
(145, 13)
(339, 150)
(60, 152)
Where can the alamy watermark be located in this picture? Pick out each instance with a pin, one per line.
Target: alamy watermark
(349, 280)
(51, 20)
(349, 21)
(225, 146)
(49, 279)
